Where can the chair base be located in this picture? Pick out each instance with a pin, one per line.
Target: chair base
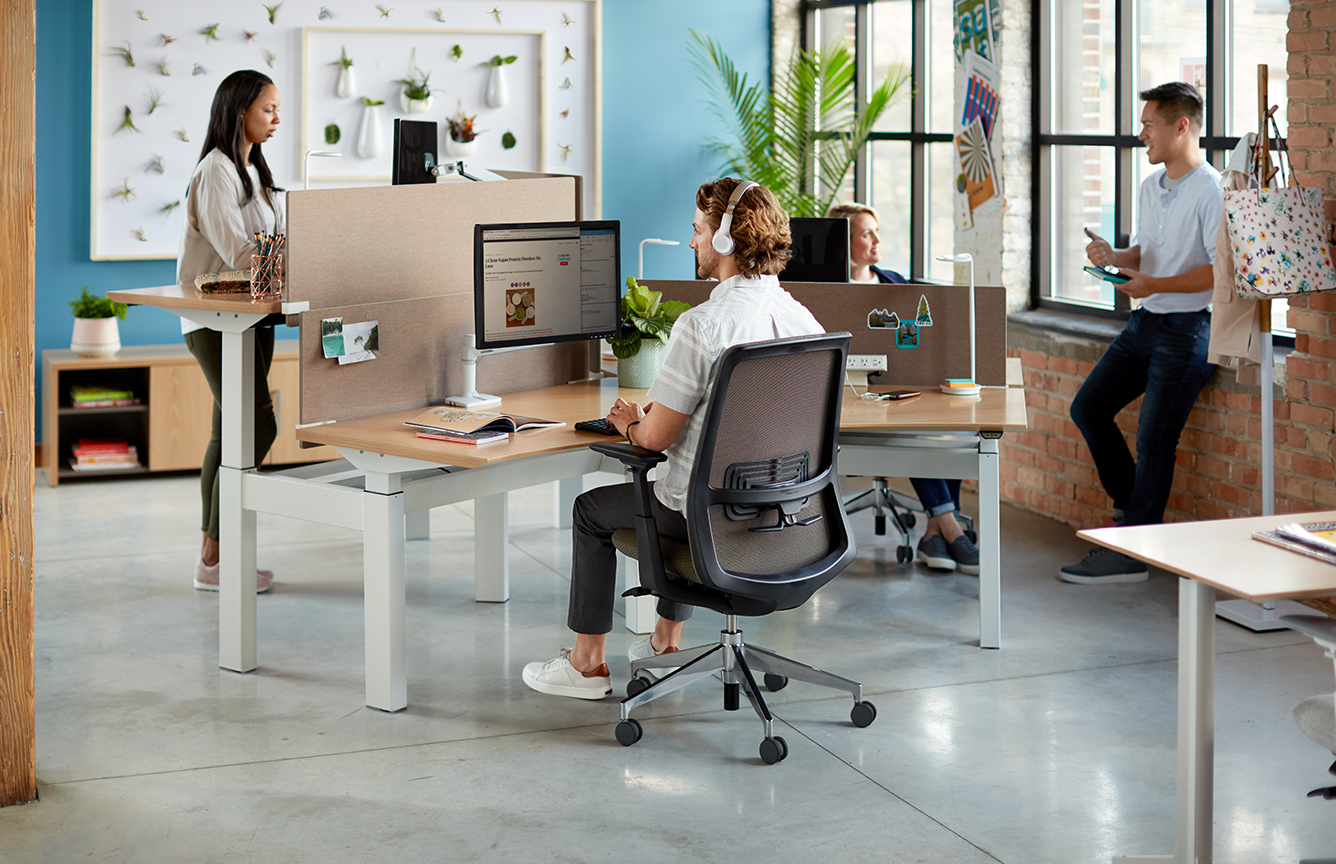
(737, 664)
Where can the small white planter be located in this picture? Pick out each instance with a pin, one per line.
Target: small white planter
(414, 106)
(639, 372)
(96, 337)
(347, 84)
(497, 94)
(460, 149)
(369, 141)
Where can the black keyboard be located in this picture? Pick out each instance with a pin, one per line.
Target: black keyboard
(599, 425)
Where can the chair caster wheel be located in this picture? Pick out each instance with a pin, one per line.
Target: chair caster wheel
(879, 525)
(862, 715)
(772, 750)
(774, 683)
(903, 554)
(636, 686)
(629, 732)
(910, 520)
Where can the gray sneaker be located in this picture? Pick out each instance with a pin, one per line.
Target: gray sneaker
(1105, 567)
(933, 552)
(965, 554)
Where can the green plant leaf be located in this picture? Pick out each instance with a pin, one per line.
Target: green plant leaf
(625, 347)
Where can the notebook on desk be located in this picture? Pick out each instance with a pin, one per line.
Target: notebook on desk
(474, 427)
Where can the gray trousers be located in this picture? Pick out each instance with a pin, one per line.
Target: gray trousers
(597, 514)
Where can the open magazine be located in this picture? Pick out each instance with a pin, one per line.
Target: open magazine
(473, 427)
(1314, 539)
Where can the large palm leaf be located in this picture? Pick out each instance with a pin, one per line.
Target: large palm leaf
(800, 139)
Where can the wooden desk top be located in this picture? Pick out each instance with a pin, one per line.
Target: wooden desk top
(1002, 408)
(190, 297)
(1222, 554)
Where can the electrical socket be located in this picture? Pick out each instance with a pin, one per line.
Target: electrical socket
(865, 363)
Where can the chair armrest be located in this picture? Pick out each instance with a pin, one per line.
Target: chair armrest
(1316, 626)
(630, 455)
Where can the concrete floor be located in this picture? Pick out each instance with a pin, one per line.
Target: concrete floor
(1057, 748)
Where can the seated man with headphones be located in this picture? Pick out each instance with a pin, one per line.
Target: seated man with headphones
(741, 237)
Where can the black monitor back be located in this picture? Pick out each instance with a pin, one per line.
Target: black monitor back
(414, 141)
(820, 251)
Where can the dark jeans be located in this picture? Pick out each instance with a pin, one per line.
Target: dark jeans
(207, 346)
(597, 514)
(1164, 357)
(937, 496)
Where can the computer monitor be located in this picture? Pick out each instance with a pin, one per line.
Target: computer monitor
(414, 151)
(820, 251)
(540, 282)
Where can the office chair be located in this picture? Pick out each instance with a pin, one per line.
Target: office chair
(1316, 715)
(765, 523)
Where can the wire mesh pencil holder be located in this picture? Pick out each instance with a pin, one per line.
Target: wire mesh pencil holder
(266, 276)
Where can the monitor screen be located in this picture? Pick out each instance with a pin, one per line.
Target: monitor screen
(820, 251)
(543, 282)
(414, 142)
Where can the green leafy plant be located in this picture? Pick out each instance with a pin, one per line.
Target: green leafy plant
(508, 141)
(461, 126)
(88, 306)
(367, 100)
(498, 60)
(801, 138)
(645, 315)
(344, 61)
(416, 87)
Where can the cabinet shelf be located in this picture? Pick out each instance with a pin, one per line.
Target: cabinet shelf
(86, 412)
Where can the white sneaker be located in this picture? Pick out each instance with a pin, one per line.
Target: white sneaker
(206, 577)
(643, 649)
(559, 678)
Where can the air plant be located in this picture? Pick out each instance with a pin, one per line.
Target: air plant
(384, 10)
(508, 140)
(566, 85)
(565, 151)
(271, 11)
(125, 53)
(209, 33)
(371, 103)
(333, 133)
(156, 164)
(270, 57)
(198, 70)
(167, 40)
(566, 20)
(457, 51)
(124, 192)
(128, 122)
(325, 14)
(568, 56)
(564, 115)
(154, 99)
(163, 67)
(249, 34)
(142, 15)
(461, 126)
(416, 87)
(343, 88)
(440, 15)
(139, 233)
(183, 134)
(167, 208)
(496, 13)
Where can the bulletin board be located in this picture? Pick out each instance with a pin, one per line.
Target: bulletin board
(182, 51)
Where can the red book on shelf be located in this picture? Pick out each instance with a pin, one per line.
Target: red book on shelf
(103, 445)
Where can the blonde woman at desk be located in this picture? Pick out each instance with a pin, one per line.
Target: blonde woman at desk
(231, 197)
(944, 546)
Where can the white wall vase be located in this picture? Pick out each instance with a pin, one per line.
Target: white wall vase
(347, 84)
(497, 93)
(639, 372)
(460, 149)
(414, 106)
(96, 337)
(369, 139)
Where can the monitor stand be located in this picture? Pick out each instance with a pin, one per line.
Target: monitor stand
(471, 398)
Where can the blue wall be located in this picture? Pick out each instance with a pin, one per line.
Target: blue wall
(653, 127)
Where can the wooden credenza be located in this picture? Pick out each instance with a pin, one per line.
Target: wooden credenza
(170, 426)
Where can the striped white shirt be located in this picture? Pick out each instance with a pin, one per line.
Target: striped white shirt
(739, 310)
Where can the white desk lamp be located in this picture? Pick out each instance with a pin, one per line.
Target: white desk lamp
(653, 241)
(973, 388)
(306, 164)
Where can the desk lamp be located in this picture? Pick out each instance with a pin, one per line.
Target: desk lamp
(955, 386)
(306, 165)
(653, 241)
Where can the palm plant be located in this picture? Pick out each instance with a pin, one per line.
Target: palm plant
(800, 139)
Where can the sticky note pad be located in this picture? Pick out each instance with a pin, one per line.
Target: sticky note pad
(958, 382)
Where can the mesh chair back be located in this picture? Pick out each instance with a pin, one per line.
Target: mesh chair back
(767, 456)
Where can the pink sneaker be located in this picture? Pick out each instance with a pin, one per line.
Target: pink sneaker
(206, 577)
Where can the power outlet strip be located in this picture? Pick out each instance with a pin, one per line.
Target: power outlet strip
(857, 367)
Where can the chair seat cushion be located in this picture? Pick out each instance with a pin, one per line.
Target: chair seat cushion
(677, 559)
(1316, 716)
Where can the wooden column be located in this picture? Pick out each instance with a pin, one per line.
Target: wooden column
(18, 194)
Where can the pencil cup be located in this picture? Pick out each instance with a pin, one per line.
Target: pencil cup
(267, 276)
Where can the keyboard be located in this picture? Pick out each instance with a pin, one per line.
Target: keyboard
(599, 425)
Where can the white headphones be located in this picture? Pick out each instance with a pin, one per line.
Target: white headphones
(723, 239)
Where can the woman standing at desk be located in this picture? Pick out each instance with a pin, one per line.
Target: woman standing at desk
(231, 197)
(944, 545)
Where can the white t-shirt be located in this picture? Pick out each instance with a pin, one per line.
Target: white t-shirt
(1176, 229)
(740, 310)
(220, 225)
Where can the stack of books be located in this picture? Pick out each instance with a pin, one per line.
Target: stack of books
(92, 396)
(104, 454)
(1312, 539)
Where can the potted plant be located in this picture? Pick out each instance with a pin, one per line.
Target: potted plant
(415, 97)
(345, 86)
(647, 322)
(369, 139)
(462, 138)
(497, 92)
(96, 333)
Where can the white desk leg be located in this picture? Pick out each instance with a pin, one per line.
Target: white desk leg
(417, 526)
(990, 546)
(563, 500)
(491, 539)
(1196, 726)
(236, 528)
(383, 593)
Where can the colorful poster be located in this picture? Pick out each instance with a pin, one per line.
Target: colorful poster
(983, 86)
(974, 29)
(976, 165)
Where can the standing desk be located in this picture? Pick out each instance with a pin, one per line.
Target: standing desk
(1209, 556)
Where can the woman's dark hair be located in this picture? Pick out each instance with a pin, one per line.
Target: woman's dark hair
(227, 127)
